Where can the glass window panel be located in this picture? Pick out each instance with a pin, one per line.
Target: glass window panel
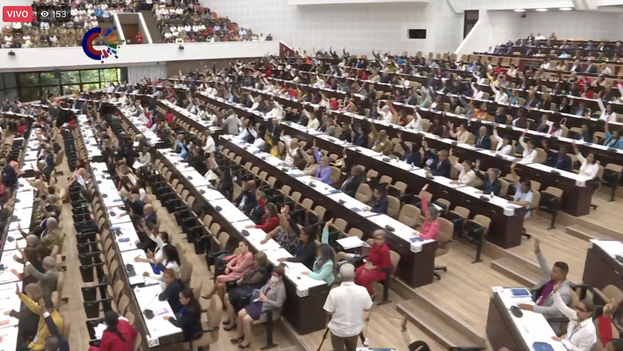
(30, 94)
(9, 80)
(1, 82)
(90, 86)
(71, 77)
(1, 95)
(28, 79)
(90, 76)
(110, 75)
(11, 94)
(47, 78)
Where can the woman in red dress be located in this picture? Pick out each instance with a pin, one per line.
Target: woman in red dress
(377, 263)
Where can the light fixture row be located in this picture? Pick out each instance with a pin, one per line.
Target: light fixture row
(545, 10)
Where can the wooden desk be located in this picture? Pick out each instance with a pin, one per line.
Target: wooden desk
(601, 268)
(415, 269)
(516, 334)
(304, 313)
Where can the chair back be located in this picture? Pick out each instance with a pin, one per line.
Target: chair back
(461, 211)
(364, 193)
(394, 206)
(395, 258)
(409, 215)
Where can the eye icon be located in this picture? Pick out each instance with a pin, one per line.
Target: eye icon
(45, 13)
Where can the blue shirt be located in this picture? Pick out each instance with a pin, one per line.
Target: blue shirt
(323, 174)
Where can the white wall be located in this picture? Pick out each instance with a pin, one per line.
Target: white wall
(461, 5)
(41, 59)
(573, 24)
(329, 2)
(359, 28)
(493, 27)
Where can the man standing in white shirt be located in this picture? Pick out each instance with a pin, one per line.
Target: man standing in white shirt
(346, 305)
(210, 145)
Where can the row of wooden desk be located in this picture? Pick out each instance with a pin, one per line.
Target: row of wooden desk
(305, 296)
(602, 153)
(506, 219)
(577, 189)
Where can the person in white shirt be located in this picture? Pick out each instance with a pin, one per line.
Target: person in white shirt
(386, 114)
(291, 150)
(512, 71)
(605, 69)
(608, 114)
(539, 37)
(313, 123)
(346, 305)
(581, 334)
(320, 84)
(529, 151)
(589, 167)
(467, 176)
(476, 92)
(501, 98)
(416, 123)
(503, 146)
(256, 102)
(276, 112)
(210, 146)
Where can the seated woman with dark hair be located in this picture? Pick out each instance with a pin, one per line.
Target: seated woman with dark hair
(238, 296)
(189, 317)
(118, 336)
(269, 298)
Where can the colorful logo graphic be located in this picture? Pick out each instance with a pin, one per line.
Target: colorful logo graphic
(110, 38)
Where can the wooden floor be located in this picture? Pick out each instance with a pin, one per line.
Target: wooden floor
(463, 291)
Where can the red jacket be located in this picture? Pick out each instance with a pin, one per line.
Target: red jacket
(112, 342)
(379, 256)
(268, 224)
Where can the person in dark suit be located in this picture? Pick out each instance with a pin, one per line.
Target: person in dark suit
(305, 251)
(274, 131)
(558, 160)
(592, 69)
(189, 317)
(9, 176)
(440, 165)
(150, 215)
(491, 182)
(483, 141)
(379, 196)
(172, 292)
(247, 200)
(351, 184)
(412, 153)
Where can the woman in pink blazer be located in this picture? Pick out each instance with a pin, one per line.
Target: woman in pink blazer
(239, 265)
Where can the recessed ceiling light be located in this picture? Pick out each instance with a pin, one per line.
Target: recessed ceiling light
(566, 9)
(541, 10)
(520, 10)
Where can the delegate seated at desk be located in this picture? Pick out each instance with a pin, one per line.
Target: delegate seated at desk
(247, 199)
(581, 333)
(351, 184)
(437, 164)
(558, 160)
(172, 291)
(491, 182)
(323, 173)
(543, 292)
(305, 251)
(377, 264)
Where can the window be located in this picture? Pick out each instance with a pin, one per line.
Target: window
(30, 86)
(90, 76)
(70, 77)
(110, 75)
(28, 79)
(47, 78)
